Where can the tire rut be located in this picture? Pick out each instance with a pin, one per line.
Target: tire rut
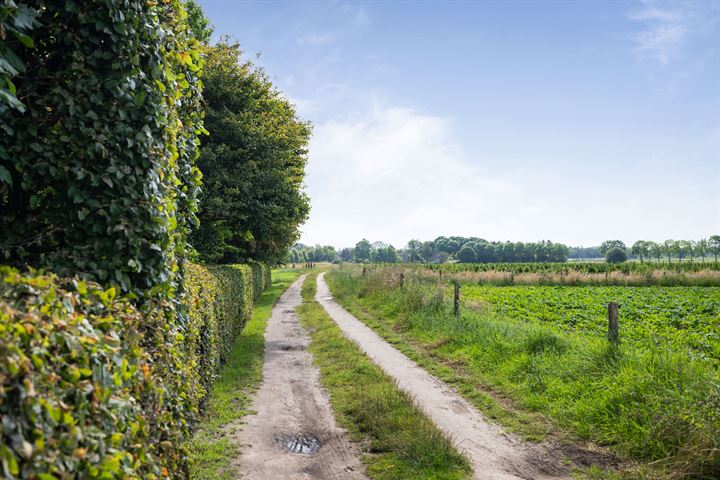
(493, 453)
(293, 434)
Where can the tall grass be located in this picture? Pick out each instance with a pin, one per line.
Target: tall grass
(657, 406)
(504, 275)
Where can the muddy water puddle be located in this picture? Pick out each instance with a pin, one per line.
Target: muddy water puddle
(301, 444)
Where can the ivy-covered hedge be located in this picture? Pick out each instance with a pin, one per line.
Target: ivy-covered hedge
(100, 112)
(86, 388)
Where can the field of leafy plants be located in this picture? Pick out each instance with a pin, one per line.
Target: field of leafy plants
(676, 317)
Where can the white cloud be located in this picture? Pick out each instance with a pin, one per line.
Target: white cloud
(395, 173)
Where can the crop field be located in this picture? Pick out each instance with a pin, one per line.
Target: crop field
(678, 317)
(653, 399)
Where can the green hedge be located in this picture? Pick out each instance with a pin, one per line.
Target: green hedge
(93, 387)
(97, 163)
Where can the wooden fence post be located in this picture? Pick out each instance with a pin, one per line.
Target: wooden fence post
(456, 299)
(613, 327)
(402, 279)
(363, 271)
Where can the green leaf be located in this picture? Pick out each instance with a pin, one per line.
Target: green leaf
(5, 175)
(25, 39)
(139, 98)
(7, 97)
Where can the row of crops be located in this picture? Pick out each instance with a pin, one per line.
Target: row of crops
(581, 267)
(675, 317)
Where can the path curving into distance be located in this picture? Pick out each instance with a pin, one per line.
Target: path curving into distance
(494, 454)
(293, 434)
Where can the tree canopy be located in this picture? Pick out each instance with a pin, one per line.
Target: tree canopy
(253, 164)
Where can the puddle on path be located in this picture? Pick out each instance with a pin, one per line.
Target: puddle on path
(302, 443)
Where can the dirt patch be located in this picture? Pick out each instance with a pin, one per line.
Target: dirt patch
(293, 432)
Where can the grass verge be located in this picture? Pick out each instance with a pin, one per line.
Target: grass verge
(401, 442)
(211, 450)
(651, 406)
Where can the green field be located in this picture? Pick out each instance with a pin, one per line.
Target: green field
(536, 359)
(674, 317)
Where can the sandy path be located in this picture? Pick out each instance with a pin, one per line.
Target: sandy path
(494, 454)
(290, 404)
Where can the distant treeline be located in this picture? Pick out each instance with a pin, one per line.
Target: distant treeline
(478, 250)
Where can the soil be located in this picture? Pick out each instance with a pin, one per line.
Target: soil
(293, 434)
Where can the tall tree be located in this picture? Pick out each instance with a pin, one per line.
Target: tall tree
(682, 247)
(608, 244)
(467, 254)
(413, 251)
(656, 250)
(253, 164)
(714, 244)
(669, 249)
(199, 24)
(702, 248)
(363, 251)
(639, 248)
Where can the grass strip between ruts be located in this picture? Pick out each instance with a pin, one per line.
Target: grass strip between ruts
(399, 440)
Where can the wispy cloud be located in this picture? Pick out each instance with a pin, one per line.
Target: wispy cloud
(316, 39)
(668, 26)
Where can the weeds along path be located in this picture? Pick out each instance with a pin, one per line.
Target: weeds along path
(494, 454)
(293, 434)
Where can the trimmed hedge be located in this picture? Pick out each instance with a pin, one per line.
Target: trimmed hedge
(97, 163)
(93, 387)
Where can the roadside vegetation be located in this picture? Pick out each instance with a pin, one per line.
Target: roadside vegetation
(115, 316)
(212, 448)
(400, 441)
(652, 403)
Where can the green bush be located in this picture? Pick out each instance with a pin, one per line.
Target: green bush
(97, 174)
(616, 255)
(92, 386)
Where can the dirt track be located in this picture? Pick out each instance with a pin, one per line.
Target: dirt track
(293, 416)
(494, 454)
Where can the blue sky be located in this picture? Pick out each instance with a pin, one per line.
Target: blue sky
(573, 121)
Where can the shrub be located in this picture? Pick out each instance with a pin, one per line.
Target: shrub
(616, 255)
(93, 386)
(97, 174)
